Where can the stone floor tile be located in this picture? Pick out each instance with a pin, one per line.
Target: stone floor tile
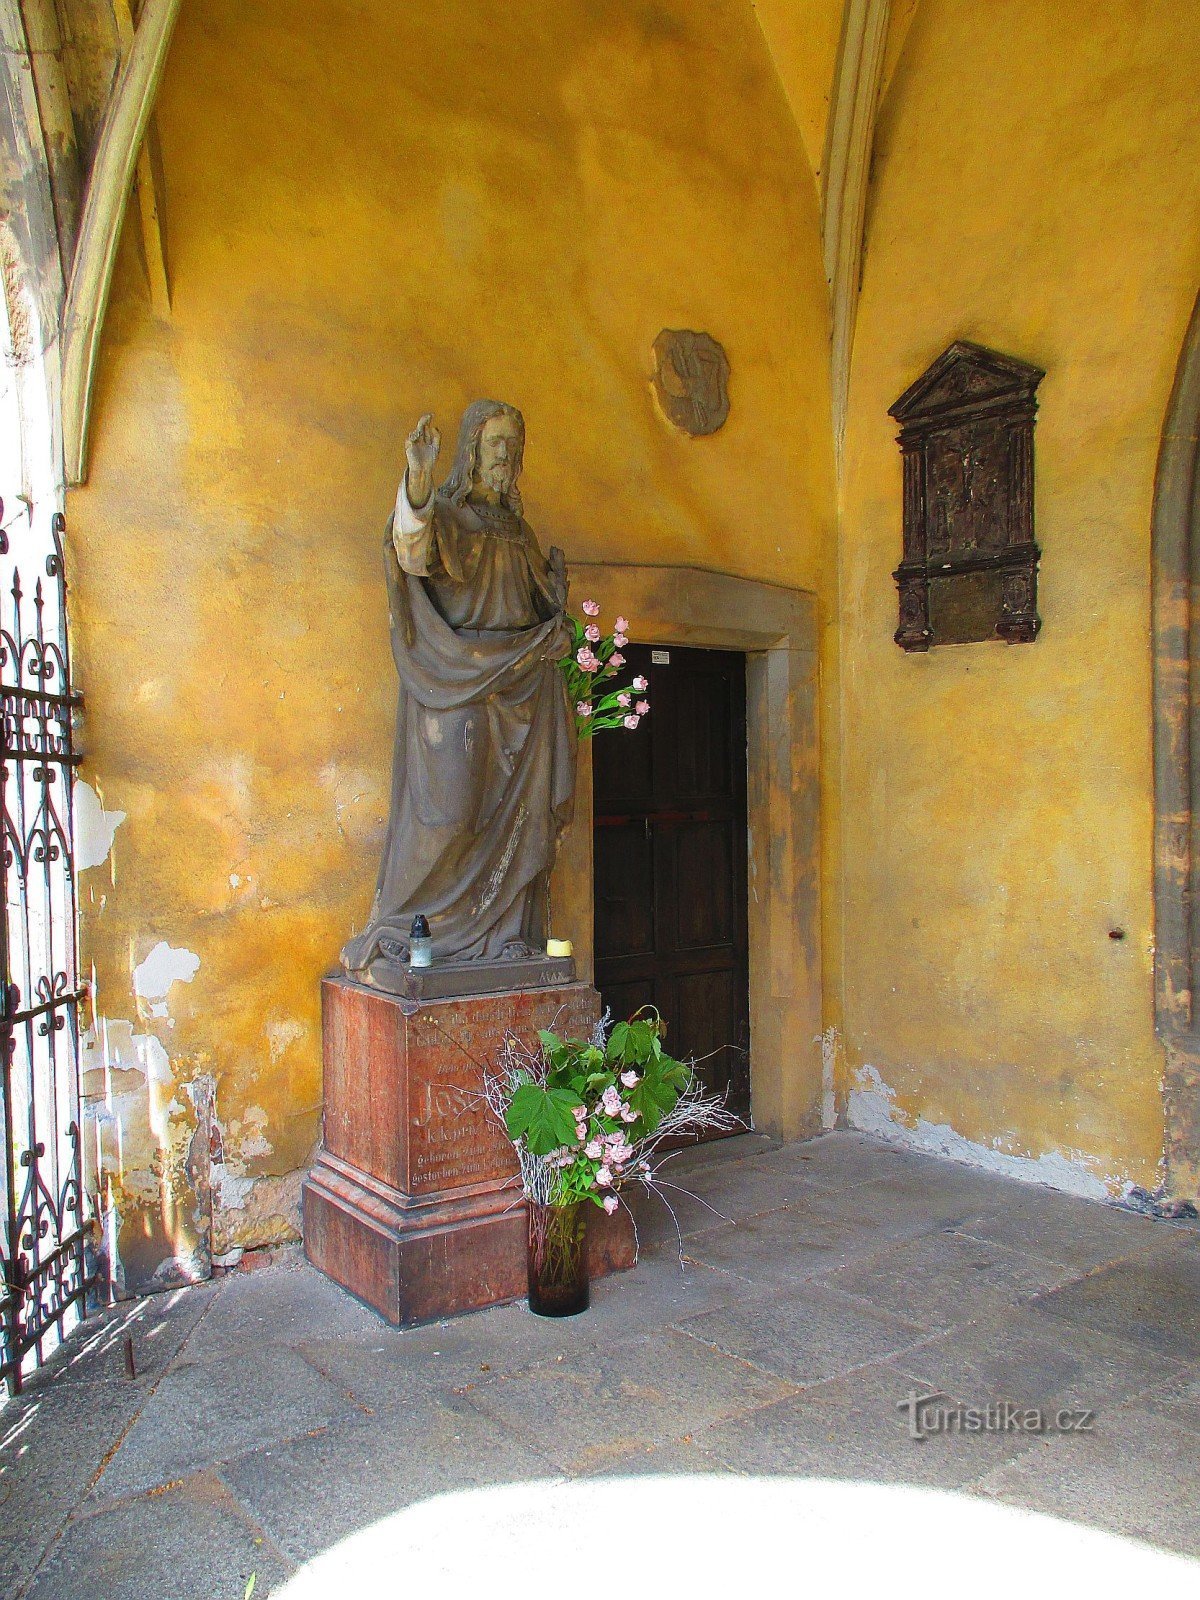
(584, 1413)
(53, 1441)
(853, 1427)
(205, 1411)
(281, 1305)
(945, 1192)
(944, 1279)
(157, 1324)
(1178, 1398)
(771, 1251)
(662, 1220)
(1080, 1233)
(842, 1160)
(863, 1220)
(747, 1188)
(1153, 1302)
(309, 1493)
(803, 1335)
(675, 1459)
(1020, 1356)
(1137, 1474)
(189, 1543)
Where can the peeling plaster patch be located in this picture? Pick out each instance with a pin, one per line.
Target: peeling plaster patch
(268, 1213)
(829, 1048)
(113, 1046)
(872, 1108)
(282, 1035)
(230, 1189)
(161, 968)
(250, 1134)
(95, 828)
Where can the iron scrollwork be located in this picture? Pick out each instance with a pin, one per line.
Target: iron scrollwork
(45, 1263)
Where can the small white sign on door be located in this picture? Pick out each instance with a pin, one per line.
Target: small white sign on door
(660, 658)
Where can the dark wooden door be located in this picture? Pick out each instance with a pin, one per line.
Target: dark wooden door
(670, 862)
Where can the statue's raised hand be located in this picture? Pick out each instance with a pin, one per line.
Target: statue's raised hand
(422, 447)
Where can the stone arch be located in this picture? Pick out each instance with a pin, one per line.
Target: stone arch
(32, 278)
(1175, 557)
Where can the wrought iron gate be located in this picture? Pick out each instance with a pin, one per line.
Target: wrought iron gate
(44, 1251)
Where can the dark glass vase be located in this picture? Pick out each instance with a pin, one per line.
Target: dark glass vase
(558, 1264)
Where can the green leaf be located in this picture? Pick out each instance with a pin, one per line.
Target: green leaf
(543, 1117)
(250, 1586)
(616, 1042)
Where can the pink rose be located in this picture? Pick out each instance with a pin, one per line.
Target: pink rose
(623, 700)
(594, 1150)
(620, 640)
(592, 633)
(622, 625)
(614, 660)
(587, 660)
(604, 1178)
(591, 608)
(630, 1079)
(642, 707)
(583, 708)
(628, 1114)
(611, 1203)
(610, 1101)
(641, 683)
(632, 722)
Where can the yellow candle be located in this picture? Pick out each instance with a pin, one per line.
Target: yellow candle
(558, 947)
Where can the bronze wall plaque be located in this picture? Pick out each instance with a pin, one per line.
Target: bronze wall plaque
(969, 570)
(691, 379)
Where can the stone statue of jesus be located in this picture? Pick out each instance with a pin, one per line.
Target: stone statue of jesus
(483, 774)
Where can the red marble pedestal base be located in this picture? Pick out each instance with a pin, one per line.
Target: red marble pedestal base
(413, 1202)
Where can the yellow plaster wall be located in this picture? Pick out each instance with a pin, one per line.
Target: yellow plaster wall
(803, 38)
(1035, 190)
(372, 211)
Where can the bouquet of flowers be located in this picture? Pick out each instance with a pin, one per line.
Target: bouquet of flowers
(590, 669)
(587, 1117)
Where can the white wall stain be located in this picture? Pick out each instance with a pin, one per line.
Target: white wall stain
(872, 1108)
(153, 977)
(95, 828)
(283, 1034)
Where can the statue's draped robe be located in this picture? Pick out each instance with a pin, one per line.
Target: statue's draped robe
(483, 774)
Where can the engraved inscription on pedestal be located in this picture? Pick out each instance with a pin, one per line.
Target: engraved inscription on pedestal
(453, 1142)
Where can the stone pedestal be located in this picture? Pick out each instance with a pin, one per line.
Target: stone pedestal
(413, 1202)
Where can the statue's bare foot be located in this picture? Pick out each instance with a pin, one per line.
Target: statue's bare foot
(517, 950)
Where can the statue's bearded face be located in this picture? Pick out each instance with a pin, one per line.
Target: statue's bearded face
(498, 455)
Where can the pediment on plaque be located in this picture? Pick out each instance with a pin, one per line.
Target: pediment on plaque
(966, 375)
